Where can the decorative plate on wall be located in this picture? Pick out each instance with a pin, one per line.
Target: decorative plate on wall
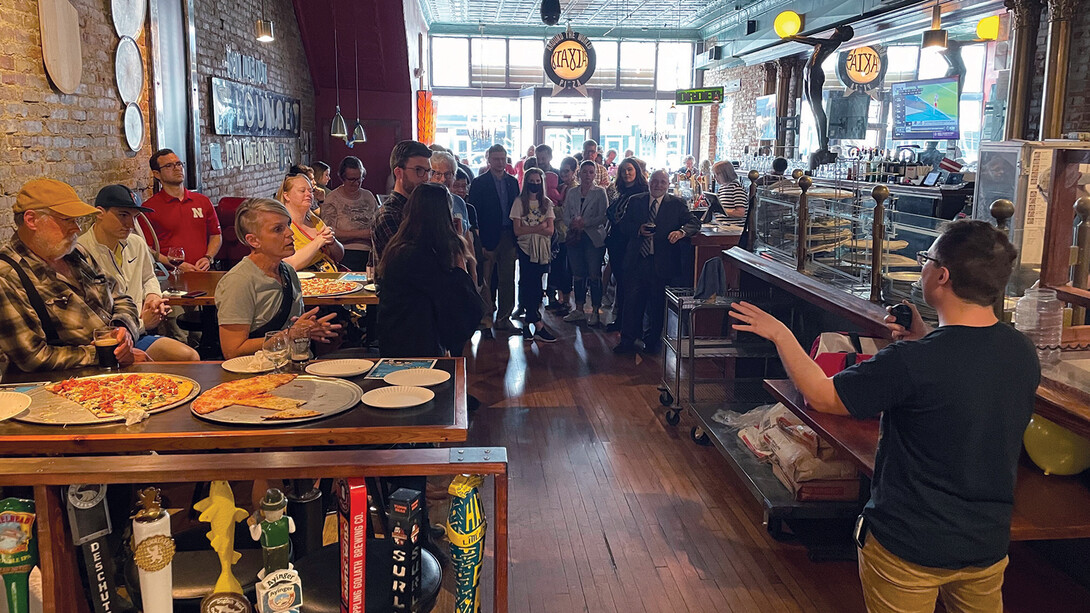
(129, 16)
(129, 70)
(134, 126)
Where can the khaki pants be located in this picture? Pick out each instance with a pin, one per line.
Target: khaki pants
(893, 585)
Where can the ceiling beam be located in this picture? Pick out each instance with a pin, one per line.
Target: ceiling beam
(543, 31)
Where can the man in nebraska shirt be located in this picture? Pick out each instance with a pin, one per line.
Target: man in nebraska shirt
(182, 218)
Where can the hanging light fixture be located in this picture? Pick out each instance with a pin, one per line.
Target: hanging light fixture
(358, 135)
(263, 29)
(338, 129)
(936, 36)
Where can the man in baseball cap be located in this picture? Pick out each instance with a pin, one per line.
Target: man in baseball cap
(123, 255)
(54, 298)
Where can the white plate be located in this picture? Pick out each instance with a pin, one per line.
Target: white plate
(420, 377)
(340, 368)
(305, 275)
(248, 364)
(12, 403)
(371, 287)
(397, 397)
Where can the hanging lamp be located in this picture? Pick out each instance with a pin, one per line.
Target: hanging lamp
(936, 36)
(338, 129)
(263, 29)
(358, 135)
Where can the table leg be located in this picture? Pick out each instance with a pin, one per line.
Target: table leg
(56, 554)
(500, 583)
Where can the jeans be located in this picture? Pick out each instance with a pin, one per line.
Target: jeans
(559, 273)
(530, 275)
(586, 267)
(616, 264)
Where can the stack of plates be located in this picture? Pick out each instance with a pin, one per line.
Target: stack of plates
(408, 388)
(897, 285)
(928, 314)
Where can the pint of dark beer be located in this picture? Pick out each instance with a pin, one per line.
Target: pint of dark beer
(105, 343)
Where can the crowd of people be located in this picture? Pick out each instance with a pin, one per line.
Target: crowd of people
(593, 240)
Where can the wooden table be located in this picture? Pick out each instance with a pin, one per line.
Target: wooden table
(206, 282)
(442, 420)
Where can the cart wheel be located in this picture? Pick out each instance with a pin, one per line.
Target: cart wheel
(666, 399)
(673, 417)
(699, 436)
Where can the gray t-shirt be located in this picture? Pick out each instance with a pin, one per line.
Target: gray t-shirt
(343, 213)
(246, 295)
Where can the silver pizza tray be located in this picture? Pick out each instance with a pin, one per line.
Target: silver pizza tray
(327, 395)
(49, 409)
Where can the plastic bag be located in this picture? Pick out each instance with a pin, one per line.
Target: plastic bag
(734, 419)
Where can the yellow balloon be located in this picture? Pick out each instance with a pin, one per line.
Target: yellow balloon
(1055, 449)
(787, 23)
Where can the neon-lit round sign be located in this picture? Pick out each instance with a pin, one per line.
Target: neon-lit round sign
(569, 60)
(862, 69)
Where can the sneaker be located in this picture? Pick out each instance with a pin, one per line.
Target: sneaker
(519, 312)
(527, 335)
(595, 320)
(544, 336)
(575, 316)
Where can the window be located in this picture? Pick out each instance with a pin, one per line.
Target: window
(525, 61)
(488, 67)
(657, 134)
(605, 65)
(449, 62)
(675, 66)
(637, 62)
(470, 125)
(932, 64)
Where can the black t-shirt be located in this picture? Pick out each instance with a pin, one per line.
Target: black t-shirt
(954, 405)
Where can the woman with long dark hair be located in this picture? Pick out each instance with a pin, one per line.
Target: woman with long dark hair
(428, 304)
(630, 181)
(532, 216)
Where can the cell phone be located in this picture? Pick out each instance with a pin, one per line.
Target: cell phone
(196, 294)
(902, 314)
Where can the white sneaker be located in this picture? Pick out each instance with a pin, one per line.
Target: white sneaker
(576, 315)
(595, 319)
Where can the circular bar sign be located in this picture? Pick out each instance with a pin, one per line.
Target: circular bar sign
(862, 69)
(569, 61)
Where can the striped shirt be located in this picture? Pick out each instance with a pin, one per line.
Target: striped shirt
(733, 195)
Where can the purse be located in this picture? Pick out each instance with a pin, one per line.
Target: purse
(835, 351)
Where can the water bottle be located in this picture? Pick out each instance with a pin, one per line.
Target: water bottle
(1039, 315)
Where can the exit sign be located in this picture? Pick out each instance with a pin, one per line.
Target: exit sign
(705, 95)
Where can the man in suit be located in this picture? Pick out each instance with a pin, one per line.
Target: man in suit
(492, 195)
(658, 226)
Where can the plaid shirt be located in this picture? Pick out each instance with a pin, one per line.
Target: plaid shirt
(386, 224)
(76, 309)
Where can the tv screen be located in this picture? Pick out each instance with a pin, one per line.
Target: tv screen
(925, 110)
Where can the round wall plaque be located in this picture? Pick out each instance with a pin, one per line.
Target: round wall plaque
(129, 70)
(128, 16)
(134, 126)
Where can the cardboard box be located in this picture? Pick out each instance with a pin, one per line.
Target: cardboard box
(352, 530)
(405, 513)
(819, 489)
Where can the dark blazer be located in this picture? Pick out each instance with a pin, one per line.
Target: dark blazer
(491, 215)
(671, 262)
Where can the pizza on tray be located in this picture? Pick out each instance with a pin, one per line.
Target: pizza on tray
(327, 287)
(114, 395)
(252, 392)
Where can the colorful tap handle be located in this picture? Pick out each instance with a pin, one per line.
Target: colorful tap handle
(153, 551)
(18, 551)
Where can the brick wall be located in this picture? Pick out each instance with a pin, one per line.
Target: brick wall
(742, 129)
(1077, 111)
(78, 138)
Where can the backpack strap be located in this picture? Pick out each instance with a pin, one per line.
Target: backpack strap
(36, 302)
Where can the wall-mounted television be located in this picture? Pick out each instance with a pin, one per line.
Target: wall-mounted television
(925, 110)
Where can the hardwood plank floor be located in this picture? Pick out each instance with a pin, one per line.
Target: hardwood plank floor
(613, 510)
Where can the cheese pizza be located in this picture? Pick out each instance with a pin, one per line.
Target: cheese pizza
(113, 395)
(327, 287)
(252, 392)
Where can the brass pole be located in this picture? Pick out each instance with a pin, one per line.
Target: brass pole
(1002, 210)
(1082, 263)
(878, 231)
(1060, 13)
(1026, 15)
(802, 217)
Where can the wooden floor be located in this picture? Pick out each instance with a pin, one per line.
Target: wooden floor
(613, 510)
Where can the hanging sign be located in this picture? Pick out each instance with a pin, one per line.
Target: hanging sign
(705, 95)
(569, 61)
(244, 110)
(863, 69)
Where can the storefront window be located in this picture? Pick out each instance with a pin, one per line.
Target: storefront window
(469, 126)
(449, 62)
(605, 69)
(637, 63)
(656, 133)
(675, 66)
(525, 62)
(488, 67)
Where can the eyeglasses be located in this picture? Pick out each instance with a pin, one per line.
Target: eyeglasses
(442, 175)
(922, 257)
(178, 164)
(351, 179)
(419, 171)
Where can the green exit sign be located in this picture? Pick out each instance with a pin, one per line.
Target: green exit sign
(704, 95)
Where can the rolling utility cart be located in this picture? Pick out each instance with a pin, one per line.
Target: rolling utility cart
(687, 338)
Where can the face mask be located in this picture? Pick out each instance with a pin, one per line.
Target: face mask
(534, 188)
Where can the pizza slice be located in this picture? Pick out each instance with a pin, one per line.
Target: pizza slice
(115, 395)
(239, 391)
(292, 414)
(275, 403)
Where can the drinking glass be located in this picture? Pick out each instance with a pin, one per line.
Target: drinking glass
(299, 340)
(275, 349)
(105, 342)
(176, 255)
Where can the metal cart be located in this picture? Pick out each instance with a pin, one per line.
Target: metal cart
(680, 339)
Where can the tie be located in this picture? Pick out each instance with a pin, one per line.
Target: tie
(648, 245)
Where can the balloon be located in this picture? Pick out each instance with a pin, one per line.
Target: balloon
(1055, 449)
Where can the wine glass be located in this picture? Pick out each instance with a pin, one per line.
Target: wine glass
(275, 349)
(176, 255)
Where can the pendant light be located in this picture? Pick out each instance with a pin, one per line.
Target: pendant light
(358, 135)
(338, 129)
(936, 36)
(263, 29)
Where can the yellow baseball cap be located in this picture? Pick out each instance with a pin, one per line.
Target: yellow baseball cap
(57, 196)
